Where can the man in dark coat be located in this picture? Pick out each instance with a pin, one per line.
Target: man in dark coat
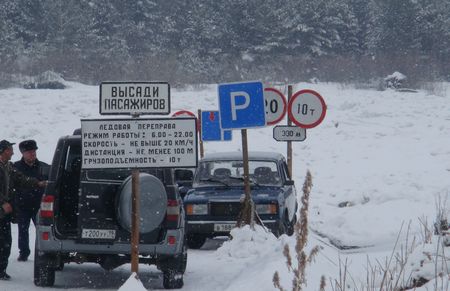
(27, 200)
(9, 178)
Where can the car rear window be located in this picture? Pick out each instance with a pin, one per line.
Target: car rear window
(229, 172)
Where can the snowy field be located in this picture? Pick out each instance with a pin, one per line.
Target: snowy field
(385, 155)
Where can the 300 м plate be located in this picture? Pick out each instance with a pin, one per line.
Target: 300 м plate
(223, 227)
(98, 233)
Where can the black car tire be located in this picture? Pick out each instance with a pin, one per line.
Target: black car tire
(153, 203)
(44, 273)
(60, 266)
(172, 279)
(195, 241)
(290, 225)
(280, 229)
(174, 269)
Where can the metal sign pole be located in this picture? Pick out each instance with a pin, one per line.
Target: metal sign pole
(200, 141)
(289, 143)
(135, 221)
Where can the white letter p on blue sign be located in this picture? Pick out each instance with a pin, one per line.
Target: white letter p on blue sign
(235, 106)
(241, 105)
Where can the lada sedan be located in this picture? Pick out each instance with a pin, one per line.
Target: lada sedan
(214, 202)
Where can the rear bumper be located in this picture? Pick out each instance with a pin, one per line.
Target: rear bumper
(55, 245)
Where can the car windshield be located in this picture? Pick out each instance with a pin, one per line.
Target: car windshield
(230, 173)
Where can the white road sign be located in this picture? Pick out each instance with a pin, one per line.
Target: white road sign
(275, 105)
(134, 98)
(139, 143)
(307, 108)
(289, 133)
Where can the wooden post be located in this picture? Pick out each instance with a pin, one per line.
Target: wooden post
(199, 126)
(135, 216)
(289, 143)
(247, 211)
(135, 221)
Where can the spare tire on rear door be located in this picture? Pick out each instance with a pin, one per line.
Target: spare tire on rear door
(153, 203)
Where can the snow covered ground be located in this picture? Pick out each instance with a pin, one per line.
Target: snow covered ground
(385, 155)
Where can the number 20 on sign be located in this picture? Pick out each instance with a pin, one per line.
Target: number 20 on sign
(307, 108)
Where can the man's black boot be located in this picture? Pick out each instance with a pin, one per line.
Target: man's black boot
(22, 258)
(4, 276)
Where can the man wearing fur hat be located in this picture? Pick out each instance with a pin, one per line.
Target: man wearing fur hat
(28, 200)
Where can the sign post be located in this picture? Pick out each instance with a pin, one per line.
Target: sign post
(134, 98)
(211, 130)
(307, 108)
(135, 196)
(275, 105)
(246, 215)
(241, 106)
(289, 133)
(200, 141)
(137, 143)
(289, 143)
(186, 113)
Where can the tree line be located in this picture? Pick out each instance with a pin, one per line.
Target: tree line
(187, 41)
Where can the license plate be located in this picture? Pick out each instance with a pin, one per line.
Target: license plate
(98, 233)
(221, 227)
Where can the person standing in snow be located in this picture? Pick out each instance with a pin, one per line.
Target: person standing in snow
(9, 178)
(27, 200)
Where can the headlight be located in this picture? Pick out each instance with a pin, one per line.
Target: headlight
(266, 208)
(196, 209)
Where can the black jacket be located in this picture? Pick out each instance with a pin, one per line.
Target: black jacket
(11, 178)
(30, 198)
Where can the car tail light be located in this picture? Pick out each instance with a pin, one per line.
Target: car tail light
(173, 210)
(171, 240)
(45, 236)
(47, 203)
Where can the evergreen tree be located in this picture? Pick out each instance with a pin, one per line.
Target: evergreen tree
(305, 29)
(210, 41)
(364, 12)
(105, 51)
(396, 30)
(434, 22)
(205, 39)
(9, 43)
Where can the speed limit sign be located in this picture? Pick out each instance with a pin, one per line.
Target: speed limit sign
(307, 108)
(275, 106)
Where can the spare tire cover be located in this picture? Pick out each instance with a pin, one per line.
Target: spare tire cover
(153, 203)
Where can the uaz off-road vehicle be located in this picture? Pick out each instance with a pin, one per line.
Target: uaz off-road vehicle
(85, 217)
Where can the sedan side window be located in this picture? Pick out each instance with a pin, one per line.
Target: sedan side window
(285, 171)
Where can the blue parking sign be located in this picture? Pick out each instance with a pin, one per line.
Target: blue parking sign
(241, 105)
(211, 130)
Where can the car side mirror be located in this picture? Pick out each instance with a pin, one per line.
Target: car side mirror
(289, 183)
(183, 191)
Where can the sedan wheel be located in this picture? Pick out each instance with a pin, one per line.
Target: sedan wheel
(290, 225)
(195, 241)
